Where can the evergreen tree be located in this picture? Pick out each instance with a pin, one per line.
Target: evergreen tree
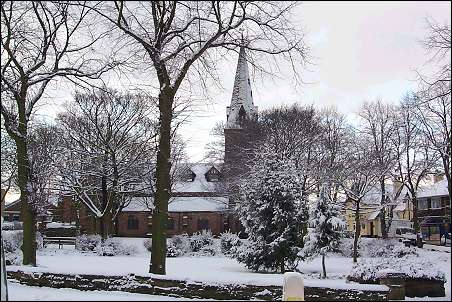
(273, 212)
(327, 228)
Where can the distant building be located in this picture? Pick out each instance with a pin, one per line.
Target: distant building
(370, 210)
(196, 204)
(202, 196)
(434, 211)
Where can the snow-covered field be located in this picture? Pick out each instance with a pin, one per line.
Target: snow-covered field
(212, 270)
(19, 292)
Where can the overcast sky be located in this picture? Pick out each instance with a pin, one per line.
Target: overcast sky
(361, 51)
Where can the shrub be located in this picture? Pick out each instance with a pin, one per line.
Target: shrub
(200, 240)
(413, 266)
(87, 242)
(115, 247)
(12, 241)
(229, 242)
(12, 226)
(178, 245)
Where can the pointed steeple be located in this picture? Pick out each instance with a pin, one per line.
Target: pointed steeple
(242, 105)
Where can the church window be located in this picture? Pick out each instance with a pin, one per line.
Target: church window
(203, 224)
(132, 223)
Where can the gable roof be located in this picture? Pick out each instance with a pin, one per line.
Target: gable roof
(199, 184)
(181, 204)
(437, 189)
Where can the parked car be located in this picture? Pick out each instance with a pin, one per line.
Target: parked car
(445, 239)
(407, 236)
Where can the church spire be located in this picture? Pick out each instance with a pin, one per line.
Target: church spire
(242, 105)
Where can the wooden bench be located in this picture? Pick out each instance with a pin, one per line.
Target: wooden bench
(59, 240)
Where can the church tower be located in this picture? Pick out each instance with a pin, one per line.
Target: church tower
(241, 110)
(236, 133)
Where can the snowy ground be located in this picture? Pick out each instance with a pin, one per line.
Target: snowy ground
(19, 292)
(212, 270)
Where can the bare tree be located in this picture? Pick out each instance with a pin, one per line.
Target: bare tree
(8, 164)
(414, 157)
(435, 118)
(215, 149)
(44, 141)
(107, 151)
(438, 43)
(295, 132)
(336, 138)
(378, 127)
(183, 40)
(360, 175)
(37, 46)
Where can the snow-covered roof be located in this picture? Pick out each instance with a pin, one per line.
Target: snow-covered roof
(373, 215)
(181, 204)
(198, 204)
(373, 197)
(437, 189)
(199, 184)
(401, 206)
(242, 96)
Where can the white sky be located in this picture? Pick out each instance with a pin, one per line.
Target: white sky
(363, 50)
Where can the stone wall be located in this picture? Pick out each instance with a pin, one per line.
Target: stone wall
(177, 288)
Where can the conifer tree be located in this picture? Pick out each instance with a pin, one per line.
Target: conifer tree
(272, 210)
(327, 228)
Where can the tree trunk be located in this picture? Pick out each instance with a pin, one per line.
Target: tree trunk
(383, 228)
(282, 266)
(416, 225)
(357, 233)
(323, 267)
(26, 210)
(163, 186)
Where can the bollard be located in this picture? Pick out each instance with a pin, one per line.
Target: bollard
(293, 287)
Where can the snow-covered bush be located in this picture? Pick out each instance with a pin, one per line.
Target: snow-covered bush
(87, 242)
(346, 247)
(377, 247)
(200, 240)
(148, 244)
(229, 243)
(370, 247)
(12, 241)
(370, 270)
(178, 245)
(115, 247)
(12, 226)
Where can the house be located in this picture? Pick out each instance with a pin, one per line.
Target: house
(397, 201)
(11, 211)
(433, 204)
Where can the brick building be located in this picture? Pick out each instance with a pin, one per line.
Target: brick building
(202, 197)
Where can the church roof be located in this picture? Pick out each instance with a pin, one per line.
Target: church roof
(242, 95)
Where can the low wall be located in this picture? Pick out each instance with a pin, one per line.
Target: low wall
(177, 288)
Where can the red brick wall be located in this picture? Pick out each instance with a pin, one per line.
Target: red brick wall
(143, 227)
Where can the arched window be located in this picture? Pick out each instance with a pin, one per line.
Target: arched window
(132, 222)
(203, 224)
